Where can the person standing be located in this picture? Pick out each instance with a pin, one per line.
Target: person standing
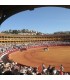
(61, 69)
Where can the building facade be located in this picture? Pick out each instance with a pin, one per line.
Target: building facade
(16, 38)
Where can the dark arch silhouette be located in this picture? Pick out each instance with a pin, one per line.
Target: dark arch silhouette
(9, 10)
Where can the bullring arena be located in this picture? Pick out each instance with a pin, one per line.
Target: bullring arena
(56, 56)
(31, 52)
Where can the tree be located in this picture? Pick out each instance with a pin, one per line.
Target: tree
(38, 33)
(14, 32)
(23, 30)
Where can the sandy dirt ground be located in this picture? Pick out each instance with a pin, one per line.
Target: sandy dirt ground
(55, 56)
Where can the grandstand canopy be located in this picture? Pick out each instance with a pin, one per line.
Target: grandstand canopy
(9, 10)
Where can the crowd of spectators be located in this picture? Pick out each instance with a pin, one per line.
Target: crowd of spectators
(17, 69)
(48, 43)
(5, 47)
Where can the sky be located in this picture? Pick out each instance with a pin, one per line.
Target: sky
(45, 20)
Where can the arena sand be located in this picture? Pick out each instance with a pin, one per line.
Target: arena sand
(34, 57)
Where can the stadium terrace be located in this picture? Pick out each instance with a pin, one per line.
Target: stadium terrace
(10, 43)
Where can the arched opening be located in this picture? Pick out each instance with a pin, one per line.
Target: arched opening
(38, 29)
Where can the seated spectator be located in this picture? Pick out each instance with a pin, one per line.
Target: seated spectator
(8, 73)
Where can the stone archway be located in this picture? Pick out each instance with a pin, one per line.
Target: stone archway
(9, 10)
